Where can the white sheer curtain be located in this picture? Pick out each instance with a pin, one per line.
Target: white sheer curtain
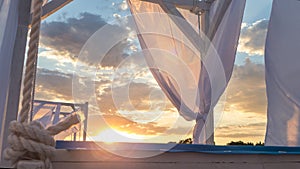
(192, 71)
(8, 27)
(282, 61)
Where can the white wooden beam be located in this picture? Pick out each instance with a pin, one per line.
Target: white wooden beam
(53, 6)
(85, 111)
(57, 113)
(53, 102)
(100, 158)
(35, 110)
(184, 4)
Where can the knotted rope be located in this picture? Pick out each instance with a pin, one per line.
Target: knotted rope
(32, 141)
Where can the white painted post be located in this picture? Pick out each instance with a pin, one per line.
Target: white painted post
(209, 122)
(14, 69)
(86, 114)
(9, 104)
(210, 30)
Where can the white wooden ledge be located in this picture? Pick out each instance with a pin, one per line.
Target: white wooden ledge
(99, 159)
(91, 156)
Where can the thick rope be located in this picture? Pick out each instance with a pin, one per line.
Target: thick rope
(31, 61)
(32, 141)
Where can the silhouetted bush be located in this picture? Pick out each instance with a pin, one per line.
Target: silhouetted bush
(186, 141)
(241, 143)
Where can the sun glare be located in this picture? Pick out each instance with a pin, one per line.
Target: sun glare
(111, 136)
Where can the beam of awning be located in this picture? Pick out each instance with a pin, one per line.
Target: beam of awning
(53, 6)
(185, 4)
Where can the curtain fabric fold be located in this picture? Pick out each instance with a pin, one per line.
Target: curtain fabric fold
(282, 70)
(192, 71)
(214, 77)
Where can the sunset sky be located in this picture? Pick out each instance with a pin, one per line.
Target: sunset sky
(152, 118)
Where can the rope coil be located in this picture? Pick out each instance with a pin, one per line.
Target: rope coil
(34, 142)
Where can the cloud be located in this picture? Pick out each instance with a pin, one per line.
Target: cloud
(66, 38)
(133, 114)
(252, 39)
(124, 124)
(69, 36)
(245, 110)
(246, 94)
(57, 85)
(246, 91)
(241, 132)
(141, 97)
(53, 85)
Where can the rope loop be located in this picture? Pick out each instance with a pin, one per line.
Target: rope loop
(34, 142)
(28, 142)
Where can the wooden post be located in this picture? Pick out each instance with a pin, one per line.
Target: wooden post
(86, 108)
(12, 103)
(16, 68)
(56, 115)
(209, 122)
(210, 30)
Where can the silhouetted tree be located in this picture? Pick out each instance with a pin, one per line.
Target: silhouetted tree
(260, 144)
(186, 141)
(241, 143)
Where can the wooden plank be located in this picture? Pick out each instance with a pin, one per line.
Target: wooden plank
(35, 110)
(100, 158)
(57, 113)
(102, 155)
(54, 6)
(184, 4)
(11, 110)
(51, 7)
(53, 102)
(161, 165)
(86, 114)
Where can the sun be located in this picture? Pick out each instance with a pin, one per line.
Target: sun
(111, 136)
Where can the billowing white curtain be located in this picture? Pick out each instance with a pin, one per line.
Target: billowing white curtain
(8, 27)
(192, 71)
(282, 59)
